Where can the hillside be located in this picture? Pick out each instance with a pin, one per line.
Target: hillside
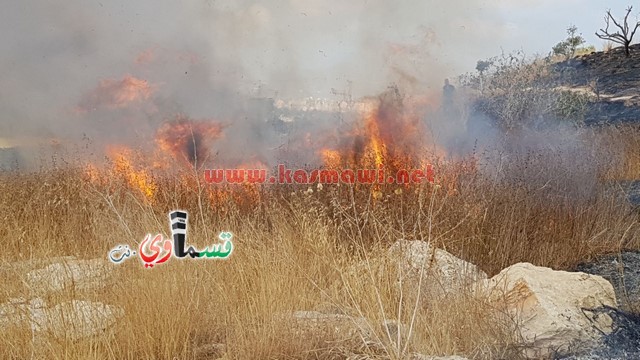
(612, 80)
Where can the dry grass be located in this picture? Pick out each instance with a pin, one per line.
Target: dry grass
(607, 46)
(624, 140)
(293, 251)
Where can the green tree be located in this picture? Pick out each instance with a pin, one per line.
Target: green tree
(568, 46)
(482, 66)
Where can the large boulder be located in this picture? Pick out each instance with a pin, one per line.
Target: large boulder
(19, 312)
(70, 274)
(412, 266)
(442, 273)
(555, 310)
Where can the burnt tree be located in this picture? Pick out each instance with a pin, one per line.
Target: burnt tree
(623, 35)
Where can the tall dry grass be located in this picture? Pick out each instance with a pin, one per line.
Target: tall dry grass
(623, 139)
(293, 248)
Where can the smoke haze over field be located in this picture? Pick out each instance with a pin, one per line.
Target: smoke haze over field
(118, 70)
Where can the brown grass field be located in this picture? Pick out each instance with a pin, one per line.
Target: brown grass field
(293, 250)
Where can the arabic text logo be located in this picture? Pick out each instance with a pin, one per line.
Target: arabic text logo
(157, 250)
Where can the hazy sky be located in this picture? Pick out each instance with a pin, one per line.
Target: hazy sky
(196, 55)
(539, 24)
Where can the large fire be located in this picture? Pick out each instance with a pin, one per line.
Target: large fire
(387, 133)
(188, 139)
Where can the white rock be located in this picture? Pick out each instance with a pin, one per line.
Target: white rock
(549, 307)
(442, 273)
(19, 312)
(77, 274)
(413, 266)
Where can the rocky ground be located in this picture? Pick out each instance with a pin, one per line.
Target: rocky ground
(559, 313)
(623, 343)
(75, 319)
(623, 272)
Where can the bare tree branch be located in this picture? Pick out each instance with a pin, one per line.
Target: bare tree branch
(623, 36)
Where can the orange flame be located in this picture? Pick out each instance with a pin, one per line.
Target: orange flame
(389, 137)
(138, 179)
(187, 139)
(111, 93)
(376, 144)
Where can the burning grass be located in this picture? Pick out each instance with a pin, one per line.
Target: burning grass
(293, 246)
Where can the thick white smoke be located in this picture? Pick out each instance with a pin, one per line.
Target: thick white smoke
(204, 55)
(115, 71)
